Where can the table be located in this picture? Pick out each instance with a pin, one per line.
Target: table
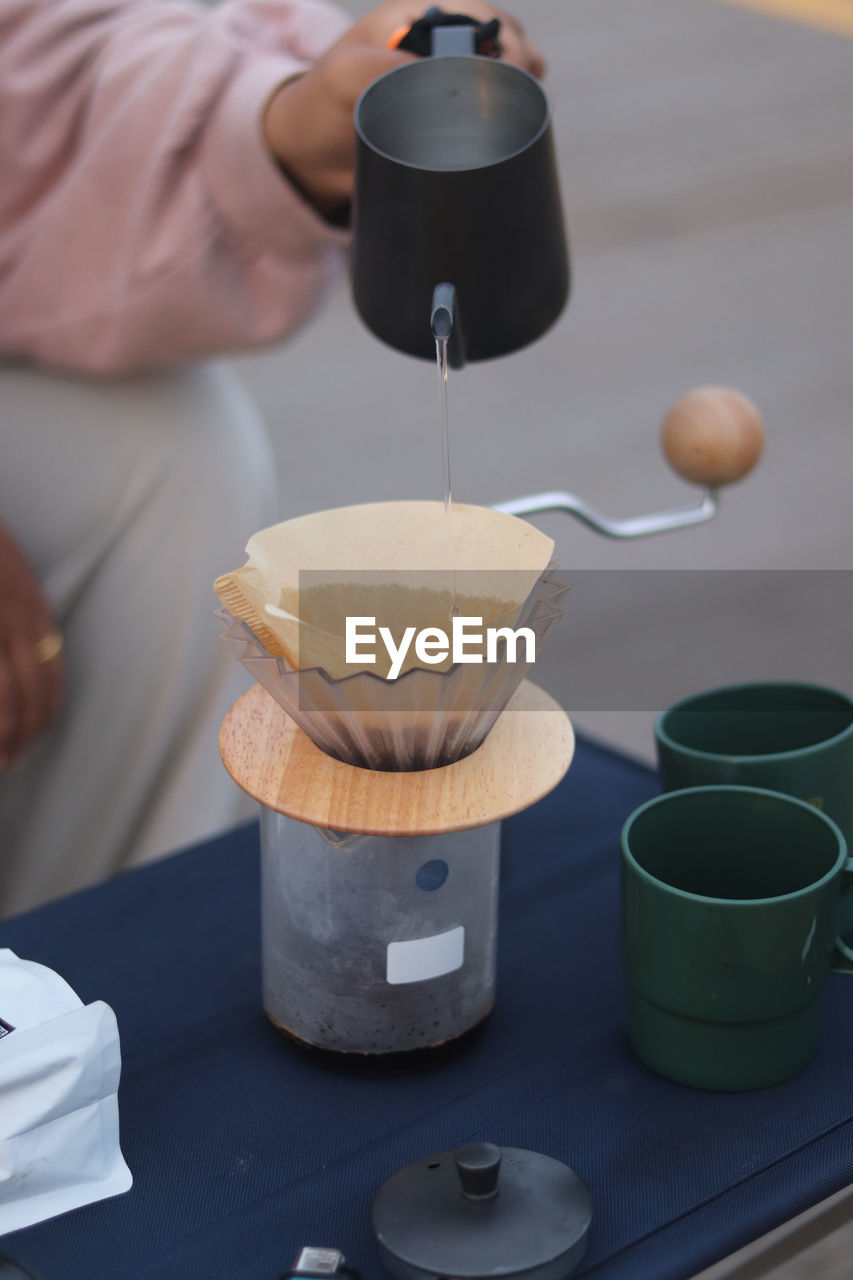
(244, 1147)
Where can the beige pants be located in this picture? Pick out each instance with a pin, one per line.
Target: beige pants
(129, 498)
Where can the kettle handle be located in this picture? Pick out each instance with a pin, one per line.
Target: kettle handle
(439, 34)
(453, 41)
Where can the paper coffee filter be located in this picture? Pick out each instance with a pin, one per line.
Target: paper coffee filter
(243, 594)
(406, 564)
(402, 563)
(398, 538)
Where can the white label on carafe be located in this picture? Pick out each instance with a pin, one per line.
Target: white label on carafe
(422, 958)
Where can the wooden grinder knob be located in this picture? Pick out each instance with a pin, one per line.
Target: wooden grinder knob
(712, 436)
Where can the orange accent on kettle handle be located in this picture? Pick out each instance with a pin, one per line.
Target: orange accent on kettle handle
(396, 36)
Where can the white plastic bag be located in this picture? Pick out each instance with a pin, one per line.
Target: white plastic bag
(59, 1074)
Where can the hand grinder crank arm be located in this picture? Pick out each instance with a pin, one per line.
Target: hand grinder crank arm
(712, 436)
(631, 527)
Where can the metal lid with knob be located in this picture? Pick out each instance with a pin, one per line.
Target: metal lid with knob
(480, 1211)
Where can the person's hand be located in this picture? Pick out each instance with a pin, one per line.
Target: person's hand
(308, 123)
(31, 670)
(377, 26)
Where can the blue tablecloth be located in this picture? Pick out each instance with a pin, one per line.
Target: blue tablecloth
(244, 1147)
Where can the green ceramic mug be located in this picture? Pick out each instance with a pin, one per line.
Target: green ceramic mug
(732, 900)
(796, 738)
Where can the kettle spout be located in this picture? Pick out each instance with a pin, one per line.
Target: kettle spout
(445, 324)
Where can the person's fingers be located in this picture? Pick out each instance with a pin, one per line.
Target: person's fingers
(379, 24)
(22, 661)
(516, 46)
(352, 69)
(32, 692)
(309, 122)
(30, 687)
(9, 709)
(54, 686)
(522, 53)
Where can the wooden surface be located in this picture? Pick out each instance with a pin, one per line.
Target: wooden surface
(523, 758)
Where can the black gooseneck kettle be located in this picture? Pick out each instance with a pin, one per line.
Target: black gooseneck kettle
(458, 226)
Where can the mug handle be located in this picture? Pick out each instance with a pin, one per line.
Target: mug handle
(841, 959)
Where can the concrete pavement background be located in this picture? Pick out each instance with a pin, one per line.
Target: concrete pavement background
(706, 157)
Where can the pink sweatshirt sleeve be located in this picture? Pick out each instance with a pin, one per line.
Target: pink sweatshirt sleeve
(142, 220)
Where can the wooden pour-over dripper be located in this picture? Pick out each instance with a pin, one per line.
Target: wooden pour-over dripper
(526, 754)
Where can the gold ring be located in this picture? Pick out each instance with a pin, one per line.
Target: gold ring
(49, 647)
